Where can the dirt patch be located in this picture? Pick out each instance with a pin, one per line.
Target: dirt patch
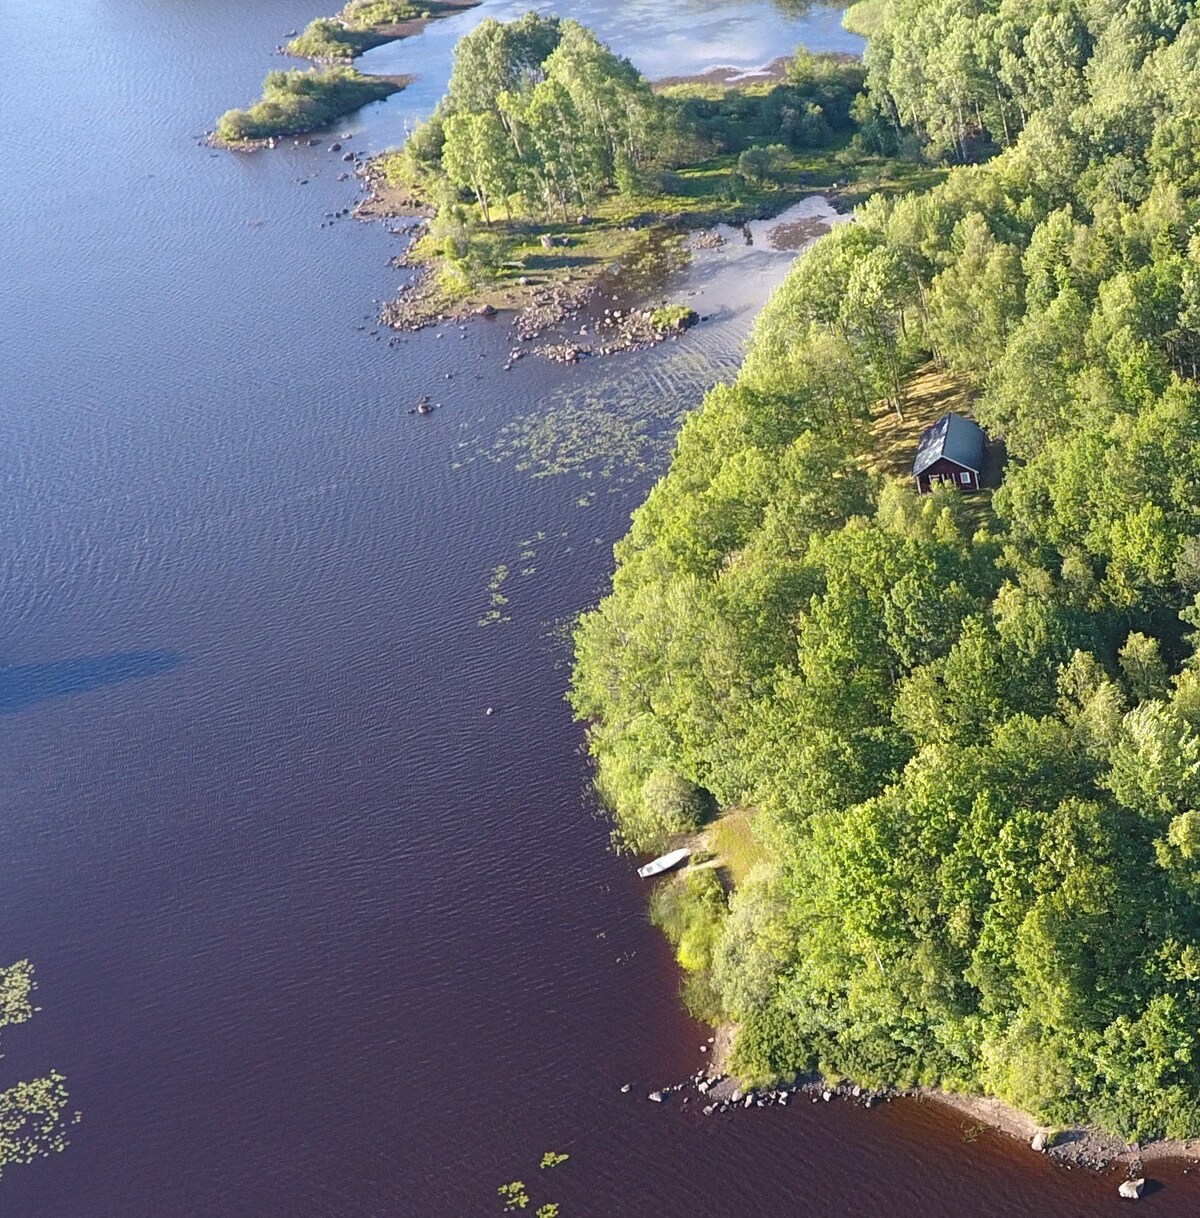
(796, 234)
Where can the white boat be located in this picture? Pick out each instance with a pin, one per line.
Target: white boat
(663, 863)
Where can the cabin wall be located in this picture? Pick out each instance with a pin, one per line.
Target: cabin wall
(947, 471)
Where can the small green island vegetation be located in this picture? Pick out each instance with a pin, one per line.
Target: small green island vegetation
(298, 101)
(550, 158)
(33, 1114)
(948, 746)
(364, 24)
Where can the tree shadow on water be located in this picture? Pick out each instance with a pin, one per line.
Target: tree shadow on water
(24, 685)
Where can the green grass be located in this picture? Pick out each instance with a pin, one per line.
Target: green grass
(732, 839)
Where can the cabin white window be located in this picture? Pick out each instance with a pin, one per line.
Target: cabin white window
(965, 479)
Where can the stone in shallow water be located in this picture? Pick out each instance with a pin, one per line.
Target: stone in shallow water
(1132, 1189)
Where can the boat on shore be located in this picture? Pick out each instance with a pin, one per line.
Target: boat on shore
(664, 862)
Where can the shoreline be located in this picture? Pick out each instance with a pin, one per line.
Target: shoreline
(567, 308)
(1085, 1146)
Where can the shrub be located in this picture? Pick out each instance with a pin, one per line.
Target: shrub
(676, 804)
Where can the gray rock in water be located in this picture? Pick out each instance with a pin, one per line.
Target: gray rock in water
(827, 1096)
(656, 1096)
(625, 1089)
(1039, 1141)
(856, 1091)
(708, 1109)
(748, 1101)
(1132, 1189)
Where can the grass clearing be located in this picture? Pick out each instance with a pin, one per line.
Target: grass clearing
(931, 392)
(733, 841)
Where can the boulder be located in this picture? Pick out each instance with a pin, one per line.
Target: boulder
(626, 1088)
(547, 241)
(485, 310)
(656, 1097)
(827, 1096)
(1131, 1190)
(1039, 1141)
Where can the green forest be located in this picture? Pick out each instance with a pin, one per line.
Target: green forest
(964, 731)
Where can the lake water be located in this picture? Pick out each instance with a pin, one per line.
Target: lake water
(316, 935)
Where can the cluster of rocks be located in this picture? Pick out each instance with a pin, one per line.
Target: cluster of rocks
(709, 239)
(723, 1094)
(635, 329)
(550, 306)
(562, 353)
(330, 216)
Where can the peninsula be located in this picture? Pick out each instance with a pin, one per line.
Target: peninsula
(947, 745)
(550, 160)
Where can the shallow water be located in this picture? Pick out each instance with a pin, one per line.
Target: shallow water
(316, 935)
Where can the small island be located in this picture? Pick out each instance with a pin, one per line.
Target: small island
(298, 101)
(943, 750)
(293, 103)
(364, 24)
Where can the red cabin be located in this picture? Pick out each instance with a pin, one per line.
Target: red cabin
(951, 450)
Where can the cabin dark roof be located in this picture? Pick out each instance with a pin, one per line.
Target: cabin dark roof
(954, 438)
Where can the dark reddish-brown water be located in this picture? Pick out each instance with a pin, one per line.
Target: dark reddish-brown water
(316, 935)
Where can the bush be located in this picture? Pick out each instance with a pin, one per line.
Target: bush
(325, 39)
(673, 317)
(676, 804)
(762, 165)
(365, 13)
(690, 910)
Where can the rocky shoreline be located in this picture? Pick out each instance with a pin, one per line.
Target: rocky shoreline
(713, 1092)
(570, 308)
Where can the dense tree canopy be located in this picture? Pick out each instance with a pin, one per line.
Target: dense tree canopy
(542, 119)
(973, 748)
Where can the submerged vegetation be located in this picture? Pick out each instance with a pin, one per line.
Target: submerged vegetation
(298, 101)
(33, 1114)
(968, 726)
